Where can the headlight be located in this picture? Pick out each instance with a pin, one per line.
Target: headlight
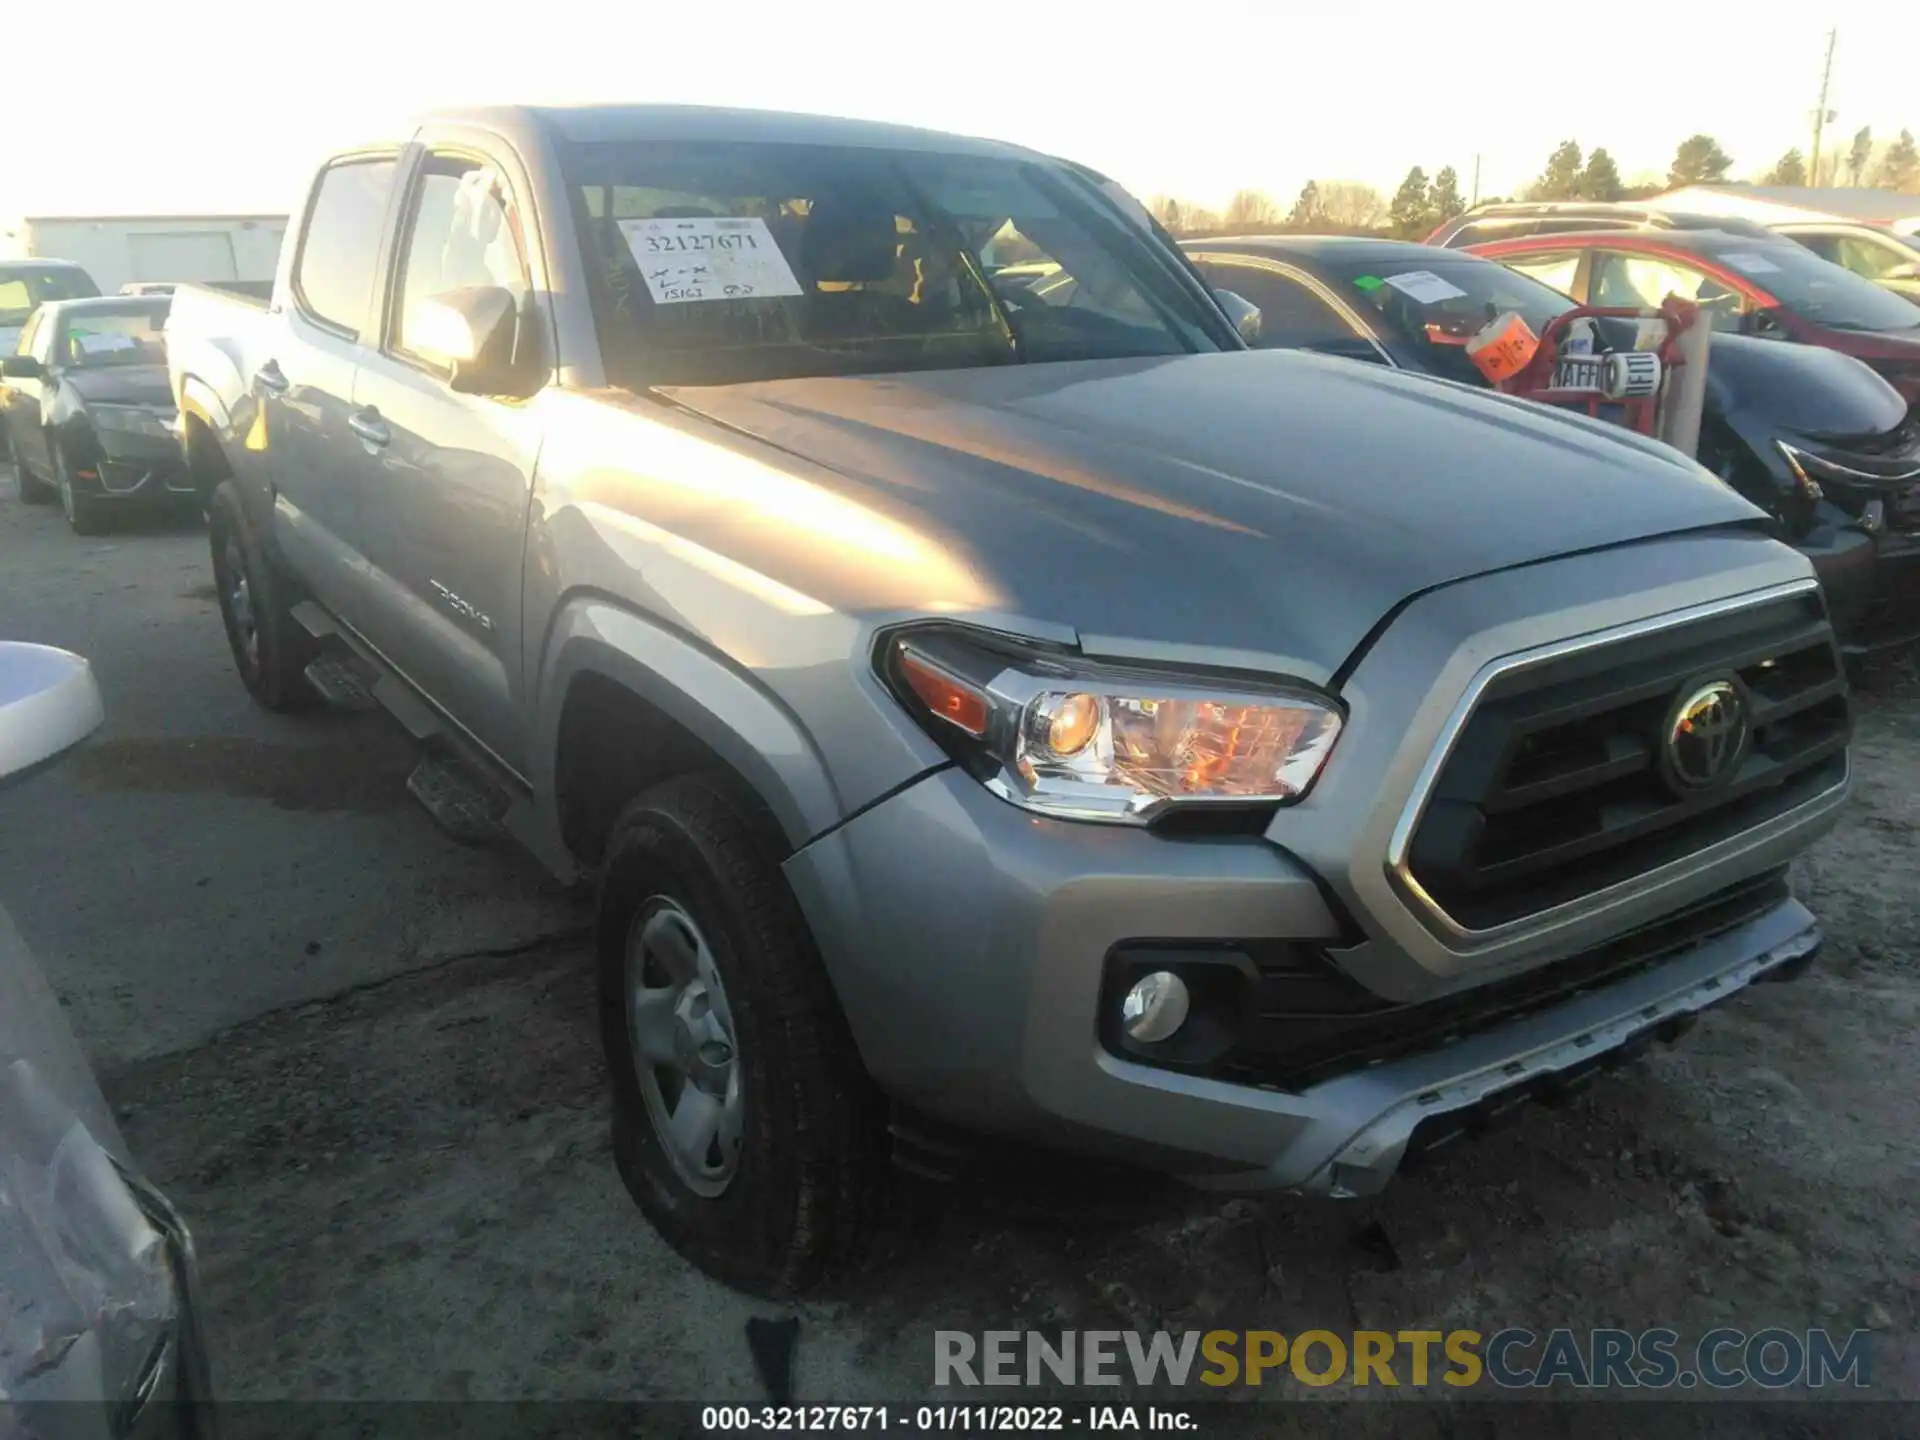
(1094, 742)
(133, 420)
(89, 1303)
(1797, 462)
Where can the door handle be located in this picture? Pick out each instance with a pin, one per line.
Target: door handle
(271, 379)
(371, 429)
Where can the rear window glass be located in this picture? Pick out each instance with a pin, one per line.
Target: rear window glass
(21, 290)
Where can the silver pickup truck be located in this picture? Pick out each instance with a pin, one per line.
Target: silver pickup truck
(990, 713)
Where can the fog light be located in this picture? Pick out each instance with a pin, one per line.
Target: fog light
(1155, 1007)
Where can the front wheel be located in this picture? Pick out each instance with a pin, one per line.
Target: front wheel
(270, 649)
(744, 1125)
(82, 511)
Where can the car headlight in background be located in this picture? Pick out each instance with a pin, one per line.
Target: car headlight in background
(90, 1301)
(1086, 741)
(133, 420)
(1798, 462)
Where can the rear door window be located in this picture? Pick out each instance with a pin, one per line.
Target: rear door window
(16, 302)
(1645, 280)
(333, 276)
(1556, 269)
(1871, 258)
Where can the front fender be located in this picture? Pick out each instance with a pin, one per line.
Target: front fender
(745, 726)
(200, 400)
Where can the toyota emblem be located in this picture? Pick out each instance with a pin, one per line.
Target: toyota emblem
(1707, 736)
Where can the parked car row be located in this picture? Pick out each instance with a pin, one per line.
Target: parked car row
(1886, 256)
(997, 704)
(86, 411)
(1814, 438)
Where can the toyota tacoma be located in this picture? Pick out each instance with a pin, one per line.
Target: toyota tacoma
(988, 713)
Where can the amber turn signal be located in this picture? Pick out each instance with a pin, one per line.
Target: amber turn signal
(954, 701)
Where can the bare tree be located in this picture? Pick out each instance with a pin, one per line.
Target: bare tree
(1251, 210)
(1169, 212)
(1351, 205)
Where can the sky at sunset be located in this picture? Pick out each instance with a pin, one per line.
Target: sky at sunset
(202, 107)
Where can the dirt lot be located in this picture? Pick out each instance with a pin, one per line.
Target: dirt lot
(382, 1110)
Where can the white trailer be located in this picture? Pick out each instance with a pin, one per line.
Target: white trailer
(118, 250)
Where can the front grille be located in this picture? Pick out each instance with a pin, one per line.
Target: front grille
(1313, 1022)
(1555, 787)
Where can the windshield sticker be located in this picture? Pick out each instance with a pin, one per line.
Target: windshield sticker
(105, 343)
(1425, 287)
(708, 258)
(1368, 283)
(1749, 263)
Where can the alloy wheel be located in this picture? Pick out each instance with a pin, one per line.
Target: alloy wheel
(239, 598)
(685, 1052)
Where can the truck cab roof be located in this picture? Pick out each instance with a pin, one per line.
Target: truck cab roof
(594, 124)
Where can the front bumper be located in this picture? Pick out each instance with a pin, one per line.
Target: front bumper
(970, 941)
(132, 469)
(975, 999)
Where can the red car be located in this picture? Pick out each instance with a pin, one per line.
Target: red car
(1748, 284)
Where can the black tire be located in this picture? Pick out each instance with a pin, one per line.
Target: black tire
(30, 489)
(803, 1199)
(84, 512)
(270, 649)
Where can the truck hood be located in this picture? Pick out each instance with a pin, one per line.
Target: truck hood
(1261, 504)
(122, 385)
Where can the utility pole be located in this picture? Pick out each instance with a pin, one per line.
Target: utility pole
(1823, 114)
(1476, 183)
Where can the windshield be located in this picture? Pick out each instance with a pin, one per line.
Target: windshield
(22, 291)
(719, 262)
(1817, 289)
(1436, 305)
(93, 339)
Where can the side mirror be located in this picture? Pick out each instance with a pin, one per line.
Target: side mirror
(1244, 314)
(49, 702)
(22, 367)
(1762, 324)
(470, 331)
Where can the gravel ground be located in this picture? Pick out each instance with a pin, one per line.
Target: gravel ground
(396, 1161)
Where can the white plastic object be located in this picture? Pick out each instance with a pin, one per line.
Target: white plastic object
(49, 702)
(1633, 375)
(1686, 394)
